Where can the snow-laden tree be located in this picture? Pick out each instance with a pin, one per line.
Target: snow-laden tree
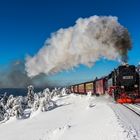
(36, 101)
(63, 92)
(54, 92)
(46, 103)
(15, 106)
(10, 104)
(4, 98)
(18, 107)
(30, 96)
(2, 111)
(24, 102)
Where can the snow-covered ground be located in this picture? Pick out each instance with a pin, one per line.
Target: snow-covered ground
(76, 118)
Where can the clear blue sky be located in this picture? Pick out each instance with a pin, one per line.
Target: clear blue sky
(26, 24)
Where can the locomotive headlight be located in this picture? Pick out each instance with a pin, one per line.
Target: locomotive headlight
(135, 86)
(122, 86)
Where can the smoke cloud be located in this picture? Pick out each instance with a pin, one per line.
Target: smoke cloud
(89, 40)
(15, 76)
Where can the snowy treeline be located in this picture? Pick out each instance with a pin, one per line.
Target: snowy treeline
(17, 106)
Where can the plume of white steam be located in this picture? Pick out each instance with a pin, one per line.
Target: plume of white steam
(84, 43)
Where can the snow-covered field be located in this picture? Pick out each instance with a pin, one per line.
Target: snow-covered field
(76, 118)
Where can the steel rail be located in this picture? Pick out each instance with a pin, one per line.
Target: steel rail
(136, 111)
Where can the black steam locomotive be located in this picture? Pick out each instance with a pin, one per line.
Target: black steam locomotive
(122, 84)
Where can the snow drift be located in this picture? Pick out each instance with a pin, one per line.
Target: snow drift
(89, 40)
(72, 120)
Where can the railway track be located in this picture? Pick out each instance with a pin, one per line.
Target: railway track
(138, 105)
(134, 108)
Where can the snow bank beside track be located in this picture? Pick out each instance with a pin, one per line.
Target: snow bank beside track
(77, 118)
(128, 120)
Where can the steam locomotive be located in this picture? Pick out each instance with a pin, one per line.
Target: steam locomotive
(122, 84)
